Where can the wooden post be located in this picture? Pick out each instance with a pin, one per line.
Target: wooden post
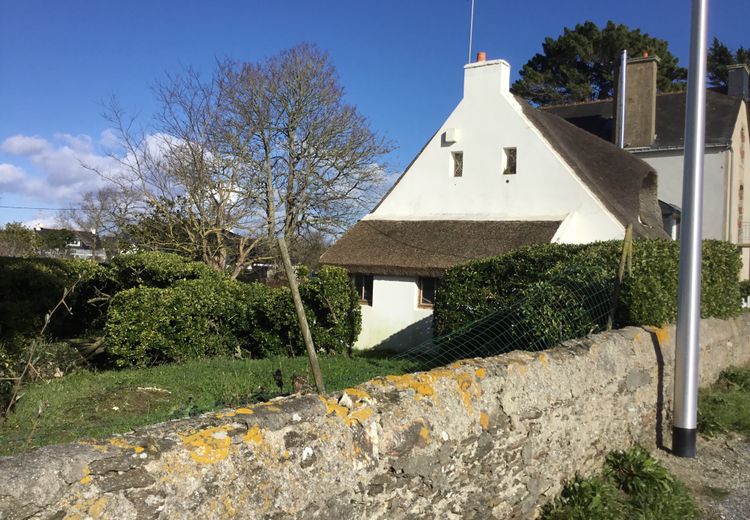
(625, 260)
(292, 277)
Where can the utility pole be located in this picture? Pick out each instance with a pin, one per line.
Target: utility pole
(689, 289)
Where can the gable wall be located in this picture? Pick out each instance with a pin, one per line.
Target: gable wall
(669, 167)
(543, 189)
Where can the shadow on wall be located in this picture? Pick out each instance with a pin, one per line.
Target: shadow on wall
(415, 334)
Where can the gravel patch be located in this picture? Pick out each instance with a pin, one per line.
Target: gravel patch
(719, 477)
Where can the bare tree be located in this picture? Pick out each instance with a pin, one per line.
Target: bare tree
(257, 151)
(192, 198)
(318, 162)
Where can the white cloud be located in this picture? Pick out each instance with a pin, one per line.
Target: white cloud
(11, 174)
(24, 145)
(64, 166)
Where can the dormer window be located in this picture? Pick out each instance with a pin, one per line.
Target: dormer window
(458, 164)
(509, 161)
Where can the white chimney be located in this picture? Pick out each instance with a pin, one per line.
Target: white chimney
(484, 78)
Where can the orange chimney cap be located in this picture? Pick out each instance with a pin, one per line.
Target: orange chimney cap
(481, 56)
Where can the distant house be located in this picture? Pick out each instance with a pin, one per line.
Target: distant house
(71, 243)
(654, 131)
(496, 176)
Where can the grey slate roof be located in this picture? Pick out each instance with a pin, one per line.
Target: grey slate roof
(429, 247)
(596, 117)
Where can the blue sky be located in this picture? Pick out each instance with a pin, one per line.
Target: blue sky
(399, 61)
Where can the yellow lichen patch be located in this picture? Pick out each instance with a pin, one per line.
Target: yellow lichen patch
(359, 416)
(210, 445)
(468, 390)
(543, 359)
(244, 411)
(332, 406)
(357, 393)
(481, 373)
(86, 476)
(122, 443)
(272, 408)
(662, 334)
(458, 364)
(97, 508)
(221, 415)
(254, 435)
(420, 383)
(484, 420)
(424, 434)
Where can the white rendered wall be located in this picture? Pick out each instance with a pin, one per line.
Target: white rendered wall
(669, 165)
(489, 119)
(394, 311)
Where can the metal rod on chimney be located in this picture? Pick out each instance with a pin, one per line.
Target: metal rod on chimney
(689, 288)
(621, 99)
(471, 30)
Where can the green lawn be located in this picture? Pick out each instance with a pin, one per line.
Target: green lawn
(89, 404)
(725, 406)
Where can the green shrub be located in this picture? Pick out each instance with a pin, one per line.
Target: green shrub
(332, 307)
(470, 291)
(553, 292)
(31, 287)
(190, 320)
(213, 316)
(156, 269)
(632, 485)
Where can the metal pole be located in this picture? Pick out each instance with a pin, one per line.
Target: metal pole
(689, 291)
(621, 99)
(471, 29)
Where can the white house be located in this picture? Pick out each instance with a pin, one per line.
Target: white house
(497, 175)
(654, 132)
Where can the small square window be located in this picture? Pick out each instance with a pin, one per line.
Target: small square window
(509, 168)
(458, 164)
(427, 291)
(363, 284)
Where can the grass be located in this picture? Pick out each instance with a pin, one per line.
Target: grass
(632, 485)
(725, 406)
(96, 404)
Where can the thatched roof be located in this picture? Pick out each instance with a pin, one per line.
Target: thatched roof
(429, 247)
(625, 184)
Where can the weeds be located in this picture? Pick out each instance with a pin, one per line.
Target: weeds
(632, 485)
(725, 406)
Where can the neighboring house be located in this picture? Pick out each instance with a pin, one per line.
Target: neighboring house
(654, 132)
(496, 176)
(76, 244)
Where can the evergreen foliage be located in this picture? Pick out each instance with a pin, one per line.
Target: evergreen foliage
(579, 65)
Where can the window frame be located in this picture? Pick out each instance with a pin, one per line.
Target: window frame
(507, 153)
(367, 282)
(457, 159)
(420, 292)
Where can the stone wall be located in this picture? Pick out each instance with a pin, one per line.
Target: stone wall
(491, 438)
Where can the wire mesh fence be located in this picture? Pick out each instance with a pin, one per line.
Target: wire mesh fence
(560, 308)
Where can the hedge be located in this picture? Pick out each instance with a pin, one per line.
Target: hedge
(156, 269)
(549, 293)
(31, 287)
(216, 316)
